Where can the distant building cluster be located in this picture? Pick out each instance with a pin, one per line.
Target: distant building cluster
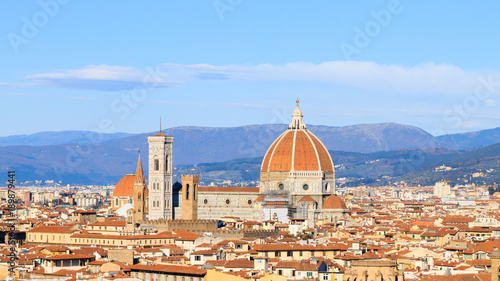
(295, 225)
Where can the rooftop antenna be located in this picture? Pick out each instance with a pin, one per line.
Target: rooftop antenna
(160, 124)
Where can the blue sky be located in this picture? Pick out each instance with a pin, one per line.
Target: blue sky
(117, 66)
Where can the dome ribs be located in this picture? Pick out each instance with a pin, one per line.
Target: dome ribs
(323, 154)
(282, 157)
(305, 155)
(270, 151)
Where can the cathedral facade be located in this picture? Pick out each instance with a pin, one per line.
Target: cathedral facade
(297, 181)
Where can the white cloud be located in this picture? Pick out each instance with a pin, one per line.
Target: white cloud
(422, 78)
(425, 78)
(15, 85)
(105, 78)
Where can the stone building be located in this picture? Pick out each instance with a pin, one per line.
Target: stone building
(190, 197)
(160, 176)
(298, 166)
(297, 181)
(334, 208)
(218, 201)
(495, 266)
(376, 270)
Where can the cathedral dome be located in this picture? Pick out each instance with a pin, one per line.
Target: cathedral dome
(297, 149)
(333, 202)
(125, 187)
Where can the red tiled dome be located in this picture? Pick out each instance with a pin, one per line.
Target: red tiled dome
(333, 202)
(125, 187)
(298, 150)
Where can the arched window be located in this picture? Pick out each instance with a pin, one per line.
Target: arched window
(166, 162)
(157, 165)
(187, 191)
(194, 191)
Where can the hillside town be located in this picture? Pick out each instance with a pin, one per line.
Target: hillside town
(295, 225)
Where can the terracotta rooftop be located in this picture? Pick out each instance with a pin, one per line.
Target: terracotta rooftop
(181, 269)
(69, 257)
(241, 263)
(333, 202)
(307, 198)
(53, 229)
(109, 223)
(125, 187)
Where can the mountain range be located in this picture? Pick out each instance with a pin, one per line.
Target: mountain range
(82, 157)
(402, 167)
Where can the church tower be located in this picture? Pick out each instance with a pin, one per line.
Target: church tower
(160, 176)
(190, 197)
(139, 193)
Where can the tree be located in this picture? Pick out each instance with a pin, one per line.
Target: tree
(56, 202)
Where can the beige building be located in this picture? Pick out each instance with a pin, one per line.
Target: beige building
(50, 235)
(107, 227)
(376, 270)
(495, 266)
(84, 216)
(442, 189)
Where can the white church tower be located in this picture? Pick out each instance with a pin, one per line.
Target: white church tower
(160, 176)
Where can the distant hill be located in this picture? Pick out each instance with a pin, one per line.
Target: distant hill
(69, 157)
(470, 140)
(62, 137)
(412, 167)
